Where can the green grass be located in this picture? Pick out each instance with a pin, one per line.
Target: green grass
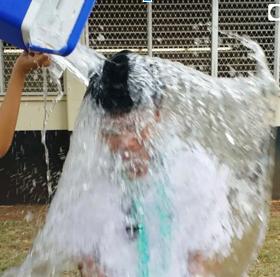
(15, 241)
(268, 263)
(16, 236)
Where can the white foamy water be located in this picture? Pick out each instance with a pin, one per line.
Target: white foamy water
(202, 205)
(49, 23)
(83, 62)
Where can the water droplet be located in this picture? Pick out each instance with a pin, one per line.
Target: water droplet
(230, 138)
(29, 217)
(100, 38)
(197, 41)
(126, 154)
(195, 27)
(232, 71)
(35, 75)
(85, 187)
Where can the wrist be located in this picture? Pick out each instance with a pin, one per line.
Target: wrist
(19, 73)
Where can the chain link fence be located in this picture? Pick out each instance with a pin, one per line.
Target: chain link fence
(247, 18)
(181, 31)
(120, 24)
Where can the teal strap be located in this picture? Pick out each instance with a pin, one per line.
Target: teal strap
(143, 241)
(163, 212)
(165, 223)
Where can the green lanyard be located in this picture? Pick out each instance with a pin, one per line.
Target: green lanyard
(165, 224)
(142, 240)
(163, 211)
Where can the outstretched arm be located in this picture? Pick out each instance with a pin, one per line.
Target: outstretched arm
(25, 63)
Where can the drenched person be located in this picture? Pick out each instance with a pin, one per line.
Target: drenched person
(164, 204)
(153, 185)
(131, 129)
(126, 132)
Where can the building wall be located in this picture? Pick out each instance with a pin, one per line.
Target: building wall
(23, 169)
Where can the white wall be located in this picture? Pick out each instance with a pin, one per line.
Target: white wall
(63, 116)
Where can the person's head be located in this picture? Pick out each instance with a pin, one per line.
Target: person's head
(127, 124)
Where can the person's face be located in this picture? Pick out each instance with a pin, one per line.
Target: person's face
(130, 142)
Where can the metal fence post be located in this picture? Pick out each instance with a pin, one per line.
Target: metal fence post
(1, 68)
(85, 36)
(215, 38)
(277, 46)
(150, 29)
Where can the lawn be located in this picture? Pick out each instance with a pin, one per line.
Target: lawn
(19, 224)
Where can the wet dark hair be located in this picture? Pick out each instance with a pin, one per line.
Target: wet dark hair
(111, 90)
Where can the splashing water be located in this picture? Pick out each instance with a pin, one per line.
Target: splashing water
(47, 113)
(83, 62)
(43, 140)
(196, 207)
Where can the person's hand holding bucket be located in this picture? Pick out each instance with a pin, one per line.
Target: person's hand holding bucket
(27, 62)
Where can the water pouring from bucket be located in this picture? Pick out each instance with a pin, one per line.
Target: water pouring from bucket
(168, 173)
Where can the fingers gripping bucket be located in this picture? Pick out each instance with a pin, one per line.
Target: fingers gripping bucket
(49, 26)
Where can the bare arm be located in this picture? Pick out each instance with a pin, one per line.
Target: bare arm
(10, 106)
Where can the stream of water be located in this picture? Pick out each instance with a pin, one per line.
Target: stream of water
(200, 207)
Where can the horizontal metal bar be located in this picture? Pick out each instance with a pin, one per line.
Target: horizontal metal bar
(12, 51)
(161, 50)
(241, 15)
(37, 97)
(247, 23)
(166, 50)
(187, 5)
(190, 49)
